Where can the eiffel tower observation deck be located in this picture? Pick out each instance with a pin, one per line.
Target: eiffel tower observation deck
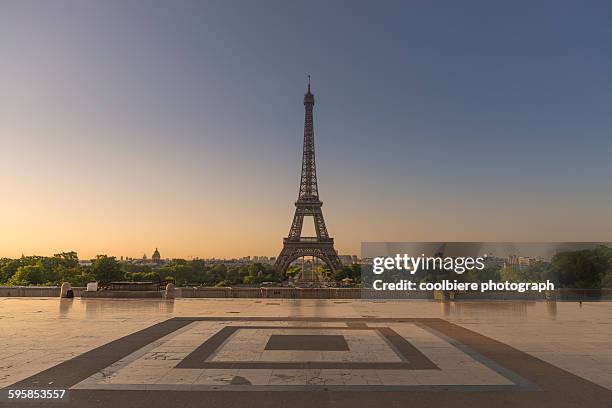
(308, 204)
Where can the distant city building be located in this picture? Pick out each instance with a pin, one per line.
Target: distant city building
(521, 261)
(156, 258)
(245, 260)
(348, 259)
(493, 261)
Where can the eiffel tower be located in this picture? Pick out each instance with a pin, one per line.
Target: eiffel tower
(308, 204)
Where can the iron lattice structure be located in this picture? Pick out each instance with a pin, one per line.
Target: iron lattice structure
(308, 204)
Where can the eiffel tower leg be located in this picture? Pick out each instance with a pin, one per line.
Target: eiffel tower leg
(284, 260)
(332, 259)
(320, 223)
(296, 225)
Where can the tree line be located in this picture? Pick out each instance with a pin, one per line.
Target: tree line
(585, 269)
(65, 267)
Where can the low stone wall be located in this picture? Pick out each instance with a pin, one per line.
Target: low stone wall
(123, 294)
(500, 295)
(584, 294)
(203, 292)
(271, 292)
(35, 291)
(397, 294)
(309, 293)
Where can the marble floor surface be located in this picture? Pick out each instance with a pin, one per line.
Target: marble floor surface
(36, 334)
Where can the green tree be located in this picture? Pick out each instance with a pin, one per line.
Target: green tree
(68, 259)
(293, 271)
(78, 276)
(577, 269)
(606, 280)
(233, 276)
(131, 268)
(106, 268)
(29, 275)
(342, 273)
(183, 274)
(8, 268)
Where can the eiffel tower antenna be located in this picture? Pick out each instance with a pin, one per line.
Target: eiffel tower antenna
(308, 204)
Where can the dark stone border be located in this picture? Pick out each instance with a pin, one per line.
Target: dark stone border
(412, 358)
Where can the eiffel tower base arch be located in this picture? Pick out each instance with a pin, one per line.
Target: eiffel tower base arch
(293, 250)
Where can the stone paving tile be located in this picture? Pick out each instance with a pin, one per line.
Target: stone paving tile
(215, 376)
(288, 377)
(184, 376)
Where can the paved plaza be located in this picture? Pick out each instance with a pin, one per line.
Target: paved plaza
(273, 352)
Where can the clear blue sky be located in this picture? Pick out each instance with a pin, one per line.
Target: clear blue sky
(129, 124)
